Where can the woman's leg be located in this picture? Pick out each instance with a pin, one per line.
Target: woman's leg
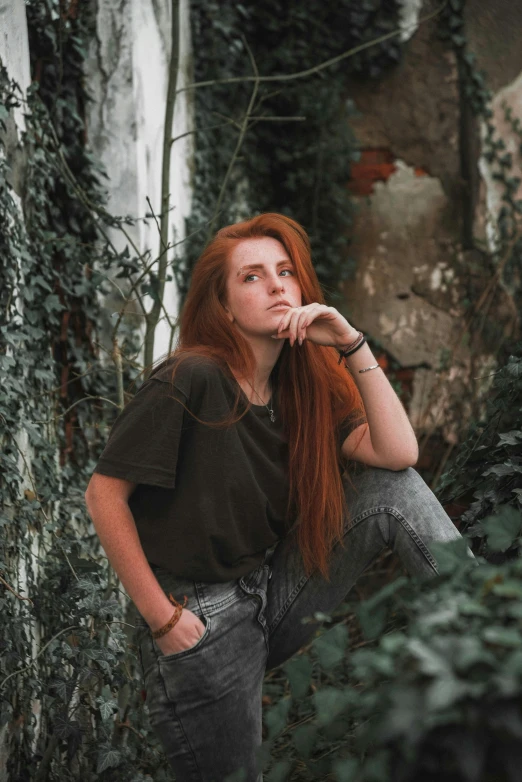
(388, 509)
(204, 703)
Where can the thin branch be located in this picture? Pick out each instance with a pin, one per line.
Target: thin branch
(10, 588)
(61, 415)
(170, 106)
(28, 667)
(277, 119)
(244, 126)
(317, 68)
(202, 130)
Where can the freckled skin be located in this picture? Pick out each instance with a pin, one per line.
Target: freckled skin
(252, 291)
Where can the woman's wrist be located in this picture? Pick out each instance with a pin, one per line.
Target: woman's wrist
(352, 347)
(362, 358)
(348, 339)
(161, 616)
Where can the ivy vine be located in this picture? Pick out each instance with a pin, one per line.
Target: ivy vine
(68, 687)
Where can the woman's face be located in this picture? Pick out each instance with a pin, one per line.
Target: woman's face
(260, 273)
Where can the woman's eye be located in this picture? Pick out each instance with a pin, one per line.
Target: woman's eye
(255, 275)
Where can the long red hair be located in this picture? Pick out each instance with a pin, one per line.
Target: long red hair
(315, 393)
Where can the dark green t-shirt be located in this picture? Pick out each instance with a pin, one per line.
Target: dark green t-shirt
(209, 501)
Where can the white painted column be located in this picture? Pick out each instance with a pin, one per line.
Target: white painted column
(128, 76)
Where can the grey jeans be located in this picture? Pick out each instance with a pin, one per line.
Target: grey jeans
(204, 703)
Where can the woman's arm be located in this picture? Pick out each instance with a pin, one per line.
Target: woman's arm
(388, 440)
(107, 503)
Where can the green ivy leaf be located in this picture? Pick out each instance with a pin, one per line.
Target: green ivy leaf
(444, 691)
(502, 528)
(299, 672)
(329, 702)
(510, 438)
(331, 646)
(276, 717)
(502, 636)
(107, 706)
(345, 770)
(304, 737)
(430, 662)
(501, 470)
(108, 758)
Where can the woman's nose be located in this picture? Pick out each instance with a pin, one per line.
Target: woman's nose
(278, 285)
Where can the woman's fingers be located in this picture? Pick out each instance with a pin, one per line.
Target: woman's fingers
(296, 320)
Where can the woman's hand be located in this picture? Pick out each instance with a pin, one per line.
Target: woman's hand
(318, 323)
(186, 633)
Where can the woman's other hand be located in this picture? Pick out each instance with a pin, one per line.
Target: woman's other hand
(186, 633)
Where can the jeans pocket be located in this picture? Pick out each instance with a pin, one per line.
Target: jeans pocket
(191, 649)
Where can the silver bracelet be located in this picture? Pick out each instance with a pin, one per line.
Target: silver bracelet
(374, 366)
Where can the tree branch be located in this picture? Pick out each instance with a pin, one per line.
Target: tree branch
(317, 68)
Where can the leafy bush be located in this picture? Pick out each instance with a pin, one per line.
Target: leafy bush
(489, 464)
(437, 696)
(434, 691)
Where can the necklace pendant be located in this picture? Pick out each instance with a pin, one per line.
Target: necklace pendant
(272, 416)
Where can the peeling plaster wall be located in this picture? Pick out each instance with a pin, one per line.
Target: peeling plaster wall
(404, 214)
(413, 110)
(414, 268)
(127, 74)
(404, 231)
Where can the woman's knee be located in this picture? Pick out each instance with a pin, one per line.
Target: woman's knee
(377, 487)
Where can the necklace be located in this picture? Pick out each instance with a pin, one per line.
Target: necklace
(270, 409)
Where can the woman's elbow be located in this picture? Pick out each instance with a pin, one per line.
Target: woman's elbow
(408, 460)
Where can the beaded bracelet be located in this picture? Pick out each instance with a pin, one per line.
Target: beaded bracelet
(172, 621)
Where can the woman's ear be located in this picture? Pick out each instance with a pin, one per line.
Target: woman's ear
(228, 313)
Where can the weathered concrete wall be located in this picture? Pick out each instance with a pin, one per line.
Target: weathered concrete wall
(415, 265)
(127, 75)
(493, 30)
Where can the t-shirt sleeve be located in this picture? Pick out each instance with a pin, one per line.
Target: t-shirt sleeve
(349, 424)
(144, 440)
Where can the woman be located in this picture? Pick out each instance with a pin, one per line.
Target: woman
(220, 498)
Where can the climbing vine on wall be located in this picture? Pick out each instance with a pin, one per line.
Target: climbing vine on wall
(487, 463)
(66, 667)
